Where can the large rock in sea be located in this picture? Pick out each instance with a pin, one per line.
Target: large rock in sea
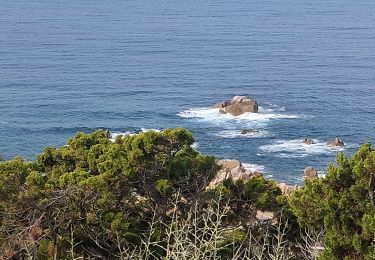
(310, 173)
(336, 142)
(238, 106)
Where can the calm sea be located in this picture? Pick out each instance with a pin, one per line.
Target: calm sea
(72, 65)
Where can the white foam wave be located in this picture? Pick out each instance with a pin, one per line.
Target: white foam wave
(144, 130)
(195, 145)
(275, 108)
(238, 134)
(253, 167)
(298, 149)
(114, 135)
(213, 115)
(321, 174)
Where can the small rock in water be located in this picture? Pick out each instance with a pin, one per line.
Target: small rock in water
(336, 142)
(308, 141)
(248, 131)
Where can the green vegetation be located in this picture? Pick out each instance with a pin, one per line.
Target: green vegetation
(343, 205)
(145, 197)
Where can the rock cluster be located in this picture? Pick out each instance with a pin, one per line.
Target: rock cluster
(232, 169)
(336, 142)
(238, 106)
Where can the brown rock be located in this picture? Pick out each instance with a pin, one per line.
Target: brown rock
(310, 173)
(229, 164)
(336, 142)
(308, 141)
(286, 189)
(238, 105)
(237, 172)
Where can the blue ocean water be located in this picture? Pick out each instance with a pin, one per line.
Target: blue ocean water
(73, 65)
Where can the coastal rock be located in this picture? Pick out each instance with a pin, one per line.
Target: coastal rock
(228, 164)
(286, 189)
(310, 173)
(308, 141)
(237, 172)
(238, 105)
(222, 111)
(336, 142)
(248, 131)
(232, 169)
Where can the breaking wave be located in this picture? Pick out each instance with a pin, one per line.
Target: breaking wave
(297, 149)
(253, 167)
(114, 135)
(239, 134)
(213, 115)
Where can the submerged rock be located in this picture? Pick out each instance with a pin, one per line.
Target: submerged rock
(238, 105)
(336, 142)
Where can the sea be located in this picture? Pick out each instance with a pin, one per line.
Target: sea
(136, 65)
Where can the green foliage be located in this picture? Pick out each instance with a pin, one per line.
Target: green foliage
(342, 203)
(162, 186)
(94, 198)
(96, 192)
(246, 197)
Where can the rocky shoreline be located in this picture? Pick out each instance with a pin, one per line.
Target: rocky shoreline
(233, 169)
